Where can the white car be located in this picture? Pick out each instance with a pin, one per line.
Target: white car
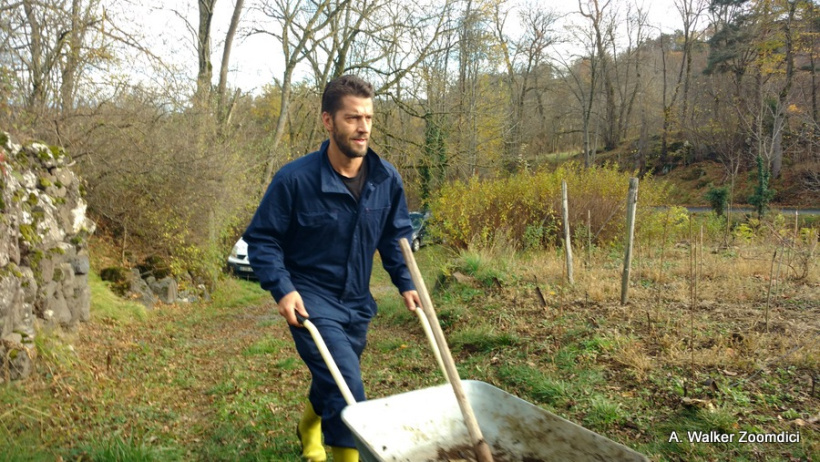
(238, 260)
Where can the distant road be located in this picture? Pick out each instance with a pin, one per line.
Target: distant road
(783, 210)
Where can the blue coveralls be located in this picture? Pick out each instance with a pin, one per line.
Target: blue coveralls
(309, 234)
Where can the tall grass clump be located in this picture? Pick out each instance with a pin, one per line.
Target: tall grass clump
(126, 449)
(106, 304)
(526, 208)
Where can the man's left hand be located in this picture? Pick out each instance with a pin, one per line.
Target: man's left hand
(411, 299)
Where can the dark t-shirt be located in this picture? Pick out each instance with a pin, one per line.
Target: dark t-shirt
(356, 184)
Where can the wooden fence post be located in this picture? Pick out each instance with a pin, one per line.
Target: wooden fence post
(589, 237)
(631, 207)
(567, 243)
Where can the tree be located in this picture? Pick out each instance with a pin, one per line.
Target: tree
(223, 108)
(580, 75)
(779, 122)
(204, 74)
(522, 59)
(757, 37)
(690, 11)
(47, 45)
(603, 29)
(763, 194)
(300, 26)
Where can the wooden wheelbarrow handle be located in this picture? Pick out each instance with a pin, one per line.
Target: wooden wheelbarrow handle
(331, 364)
(480, 446)
(334, 369)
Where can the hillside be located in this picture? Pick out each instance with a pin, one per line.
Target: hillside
(798, 186)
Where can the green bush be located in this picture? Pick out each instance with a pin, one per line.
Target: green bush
(718, 198)
(525, 209)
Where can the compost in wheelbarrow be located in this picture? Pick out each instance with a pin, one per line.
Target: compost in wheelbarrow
(427, 425)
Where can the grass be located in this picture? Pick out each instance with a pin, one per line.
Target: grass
(221, 381)
(107, 305)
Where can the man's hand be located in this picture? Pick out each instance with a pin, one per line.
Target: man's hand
(411, 299)
(289, 305)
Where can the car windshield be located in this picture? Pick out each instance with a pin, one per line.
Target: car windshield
(416, 219)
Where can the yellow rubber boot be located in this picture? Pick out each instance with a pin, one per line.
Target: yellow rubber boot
(344, 454)
(309, 432)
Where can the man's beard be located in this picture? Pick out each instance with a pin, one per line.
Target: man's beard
(346, 147)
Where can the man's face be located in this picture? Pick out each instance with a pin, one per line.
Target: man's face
(350, 126)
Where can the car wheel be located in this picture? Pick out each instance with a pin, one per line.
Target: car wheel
(416, 245)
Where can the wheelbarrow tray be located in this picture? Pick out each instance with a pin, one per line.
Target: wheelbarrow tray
(427, 425)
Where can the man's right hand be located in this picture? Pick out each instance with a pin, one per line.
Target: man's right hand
(289, 305)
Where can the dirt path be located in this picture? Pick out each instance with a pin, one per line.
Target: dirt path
(195, 382)
(200, 383)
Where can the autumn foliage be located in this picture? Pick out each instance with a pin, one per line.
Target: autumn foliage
(525, 209)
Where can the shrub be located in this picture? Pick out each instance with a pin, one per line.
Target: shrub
(718, 198)
(663, 225)
(525, 208)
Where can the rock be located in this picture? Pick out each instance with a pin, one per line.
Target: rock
(80, 264)
(25, 324)
(140, 290)
(29, 284)
(464, 279)
(45, 292)
(14, 359)
(46, 269)
(67, 278)
(80, 221)
(29, 180)
(10, 301)
(43, 263)
(187, 297)
(13, 337)
(165, 289)
(9, 251)
(203, 290)
(63, 176)
(57, 310)
(81, 299)
(55, 191)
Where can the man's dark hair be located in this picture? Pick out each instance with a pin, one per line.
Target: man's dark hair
(346, 85)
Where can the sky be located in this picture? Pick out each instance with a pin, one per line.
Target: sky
(256, 60)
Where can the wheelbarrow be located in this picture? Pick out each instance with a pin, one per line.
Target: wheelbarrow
(431, 424)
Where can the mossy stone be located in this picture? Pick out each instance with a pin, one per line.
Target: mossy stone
(29, 235)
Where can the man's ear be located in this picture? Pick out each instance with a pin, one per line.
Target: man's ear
(327, 120)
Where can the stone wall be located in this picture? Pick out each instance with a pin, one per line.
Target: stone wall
(43, 249)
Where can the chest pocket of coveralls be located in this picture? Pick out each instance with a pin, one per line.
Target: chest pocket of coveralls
(375, 221)
(317, 228)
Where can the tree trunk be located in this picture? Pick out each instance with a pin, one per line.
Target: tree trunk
(222, 111)
(780, 116)
(205, 72)
(69, 70)
(611, 126)
(611, 122)
(587, 156)
(284, 106)
(36, 99)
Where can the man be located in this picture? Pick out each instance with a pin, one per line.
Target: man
(312, 242)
